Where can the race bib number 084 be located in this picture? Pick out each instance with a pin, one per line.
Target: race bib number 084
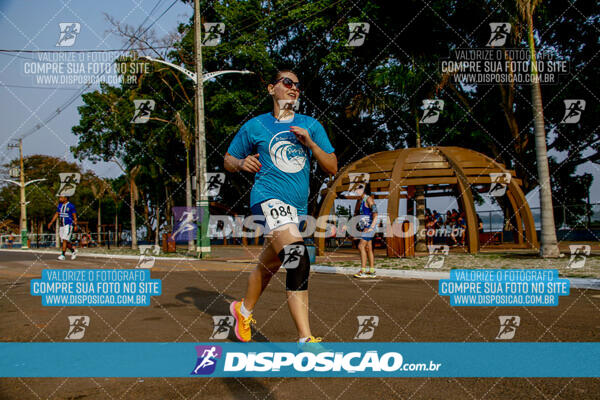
(278, 213)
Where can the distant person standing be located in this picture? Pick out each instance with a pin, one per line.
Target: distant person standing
(67, 225)
(368, 223)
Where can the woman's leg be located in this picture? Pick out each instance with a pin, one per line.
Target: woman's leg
(267, 266)
(297, 299)
(369, 247)
(363, 254)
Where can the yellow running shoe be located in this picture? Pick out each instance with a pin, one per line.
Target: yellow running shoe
(242, 324)
(312, 345)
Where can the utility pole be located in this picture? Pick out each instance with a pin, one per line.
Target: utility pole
(22, 184)
(23, 222)
(202, 204)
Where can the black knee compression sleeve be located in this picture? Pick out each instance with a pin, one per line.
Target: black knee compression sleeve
(294, 258)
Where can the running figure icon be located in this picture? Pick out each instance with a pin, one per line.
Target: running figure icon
(207, 359)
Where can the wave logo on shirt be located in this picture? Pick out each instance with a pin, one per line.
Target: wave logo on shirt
(287, 153)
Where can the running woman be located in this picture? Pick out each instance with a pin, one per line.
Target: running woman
(368, 222)
(277, 148)
(67, 225)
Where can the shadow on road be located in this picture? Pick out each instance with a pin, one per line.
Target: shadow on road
(214, 303)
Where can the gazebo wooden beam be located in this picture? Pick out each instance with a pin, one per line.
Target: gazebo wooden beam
(466, 198)
(395, 245)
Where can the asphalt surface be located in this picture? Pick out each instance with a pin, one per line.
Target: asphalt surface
(194, 291)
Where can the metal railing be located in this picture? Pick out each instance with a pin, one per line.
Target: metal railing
(44, 240)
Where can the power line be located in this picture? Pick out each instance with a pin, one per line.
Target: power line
(75, 96)
(77, 51)
(37, 87)
(72, 99)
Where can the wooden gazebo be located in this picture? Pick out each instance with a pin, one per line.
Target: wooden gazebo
(443, 171)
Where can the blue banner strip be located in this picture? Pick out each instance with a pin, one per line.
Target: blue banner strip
(357, 359)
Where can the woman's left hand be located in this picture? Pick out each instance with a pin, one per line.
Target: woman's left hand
(302, 135)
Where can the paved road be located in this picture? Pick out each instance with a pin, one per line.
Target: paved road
(194, 291)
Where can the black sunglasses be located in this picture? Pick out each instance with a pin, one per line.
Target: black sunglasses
(288, 83)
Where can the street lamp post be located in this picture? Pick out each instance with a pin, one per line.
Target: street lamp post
(202, 204)
(22, 184)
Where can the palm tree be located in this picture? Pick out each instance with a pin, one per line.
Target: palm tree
(549, 246)
(133, 197)
(99, 186)
(116, 199)
(187, 137)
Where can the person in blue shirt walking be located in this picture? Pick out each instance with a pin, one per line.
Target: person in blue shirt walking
(67, 216)
(277, 147)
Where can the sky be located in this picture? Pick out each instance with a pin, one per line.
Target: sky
(35, 26)
(26, 26)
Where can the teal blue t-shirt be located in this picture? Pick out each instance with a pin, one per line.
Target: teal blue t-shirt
(285, 162)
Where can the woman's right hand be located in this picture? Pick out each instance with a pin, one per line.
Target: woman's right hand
(251, 164)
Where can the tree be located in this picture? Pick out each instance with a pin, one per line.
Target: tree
(115, 196)
(41, 196)
(99, 188)
(132, 188)
(188, 139)
(548, 245)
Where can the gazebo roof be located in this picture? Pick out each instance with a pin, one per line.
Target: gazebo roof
(394, 172)
(423, 166)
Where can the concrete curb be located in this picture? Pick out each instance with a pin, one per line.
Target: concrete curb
(576, 283)
(391, 273)
(100, 255)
